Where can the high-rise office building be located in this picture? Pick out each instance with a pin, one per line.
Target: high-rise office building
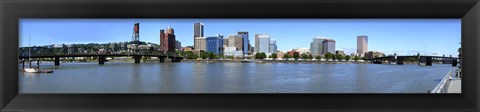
(235, 41)
(246, 41)
(197, 31)
(171, 39)
(178, 45)
(273, 46)
(215, 44)
(316, 46)
(169, 30)
(362, 44)
(163, 41)
(263, 43)
(200, 43)
(329, 46)
(257, 42)
(225, 42)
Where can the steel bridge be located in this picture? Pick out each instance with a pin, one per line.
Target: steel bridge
(102, 57)
(426, 60)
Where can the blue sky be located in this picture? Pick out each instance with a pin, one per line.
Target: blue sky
(401, 36)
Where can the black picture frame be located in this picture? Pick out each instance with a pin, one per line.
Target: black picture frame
(12, 10)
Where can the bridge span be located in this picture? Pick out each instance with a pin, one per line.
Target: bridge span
(102, 57)
(421, 60)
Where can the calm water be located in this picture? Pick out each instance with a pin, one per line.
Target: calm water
(232, 78)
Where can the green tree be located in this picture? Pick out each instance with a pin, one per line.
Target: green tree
(347, 57)
(364, 58)
(319, 57)
(203, 55)
(340, 57)
(310, 56)
(211, 55)
(274, 56)
(145, 58)
(329, 55)
(304, 56)
(356, 58)
(263, 55)
(296, 55)
(286, 56)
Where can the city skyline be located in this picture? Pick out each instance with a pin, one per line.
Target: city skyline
(440, 36)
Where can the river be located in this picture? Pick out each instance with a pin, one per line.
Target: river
(151, 77)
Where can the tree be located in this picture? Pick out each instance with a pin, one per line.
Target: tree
(203, 55)
(260, 55)
(328, 55)
(364, 58)
(334, 57)
(310, 56)
(263, 55)
(211, 55)
(304, 56)
(340, 57)
(319, 57)
(356, 58)
(274, 56)
(286, 56)
(296, 55)
(347, 57)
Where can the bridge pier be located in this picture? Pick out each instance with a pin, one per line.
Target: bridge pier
(161, 59)
(57, 61)
(454, 62)
(400, 61)
(137, 59)
(101, 60)
(429, 61)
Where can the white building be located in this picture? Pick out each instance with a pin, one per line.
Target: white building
(201, 43)
(362, 44)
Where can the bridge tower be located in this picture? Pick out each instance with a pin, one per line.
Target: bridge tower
(136, 34)
(135, 37)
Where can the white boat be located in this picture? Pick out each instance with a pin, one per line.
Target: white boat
(35, 69)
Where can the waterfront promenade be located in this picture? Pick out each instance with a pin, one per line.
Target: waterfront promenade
(455, 86)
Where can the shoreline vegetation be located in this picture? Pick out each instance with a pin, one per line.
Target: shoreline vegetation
(129, 60)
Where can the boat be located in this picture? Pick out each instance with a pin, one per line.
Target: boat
(37, 70)
(31, 69)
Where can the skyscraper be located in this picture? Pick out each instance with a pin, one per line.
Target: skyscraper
(273, 46)
(235, 41)
(316, 47)
(215, 44)
(169, 30)
(246, 41)
(178, 45)
(263, 43)
(200, 43)
(362, 44)
(329, 46)
(257, 43)
(163, 41)
(167, 40)
(197, 31)
(171, 39)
